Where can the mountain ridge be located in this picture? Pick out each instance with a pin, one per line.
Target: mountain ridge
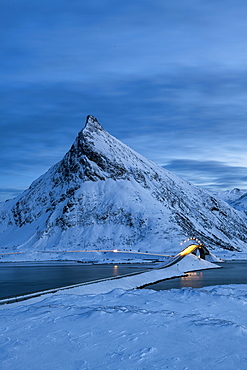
(236, 198)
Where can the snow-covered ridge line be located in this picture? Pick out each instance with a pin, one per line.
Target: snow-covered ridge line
(127, 282)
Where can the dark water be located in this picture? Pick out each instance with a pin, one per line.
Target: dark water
(232, 272)
(22, 278)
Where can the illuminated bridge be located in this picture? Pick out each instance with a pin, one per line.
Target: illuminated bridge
(192, 248)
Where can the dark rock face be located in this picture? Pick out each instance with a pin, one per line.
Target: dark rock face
(85, 160)
(102, 194)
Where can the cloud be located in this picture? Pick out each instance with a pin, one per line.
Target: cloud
(56, 40)
(212, 175)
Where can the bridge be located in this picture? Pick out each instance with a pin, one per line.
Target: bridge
(192, 248)
(133, 280)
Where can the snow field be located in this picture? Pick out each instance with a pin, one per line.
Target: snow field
(138, 329)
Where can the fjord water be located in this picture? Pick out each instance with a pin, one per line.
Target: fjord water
(20, 278)
(232, 272)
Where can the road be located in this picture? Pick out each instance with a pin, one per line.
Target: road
(189, 249)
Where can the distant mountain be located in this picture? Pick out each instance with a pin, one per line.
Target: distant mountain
(237, 198)
(102, 194)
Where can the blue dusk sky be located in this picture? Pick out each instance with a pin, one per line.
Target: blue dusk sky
(168, 78)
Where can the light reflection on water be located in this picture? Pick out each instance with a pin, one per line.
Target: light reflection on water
(192, 279)
(232, 272)
(115, 270)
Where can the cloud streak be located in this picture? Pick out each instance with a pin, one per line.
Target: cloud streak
(212, 175)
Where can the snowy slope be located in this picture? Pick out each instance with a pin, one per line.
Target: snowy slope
(237, 198)
(240, 204)
(102, 194)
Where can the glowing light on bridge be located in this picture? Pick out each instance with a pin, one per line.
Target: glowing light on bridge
(189, 239)
(188, 250)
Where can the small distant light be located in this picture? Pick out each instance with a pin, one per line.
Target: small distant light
(115, 250)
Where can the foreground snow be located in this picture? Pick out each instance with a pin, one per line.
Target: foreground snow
(139, 329)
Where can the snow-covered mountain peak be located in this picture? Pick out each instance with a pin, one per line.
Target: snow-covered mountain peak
(104, 195)
(92, 124)
(97, 155)
(235, 191)
(87, 157)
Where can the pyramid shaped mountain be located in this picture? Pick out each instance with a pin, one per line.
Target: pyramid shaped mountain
(102, 194)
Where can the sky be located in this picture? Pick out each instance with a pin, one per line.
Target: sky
(168, 78)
